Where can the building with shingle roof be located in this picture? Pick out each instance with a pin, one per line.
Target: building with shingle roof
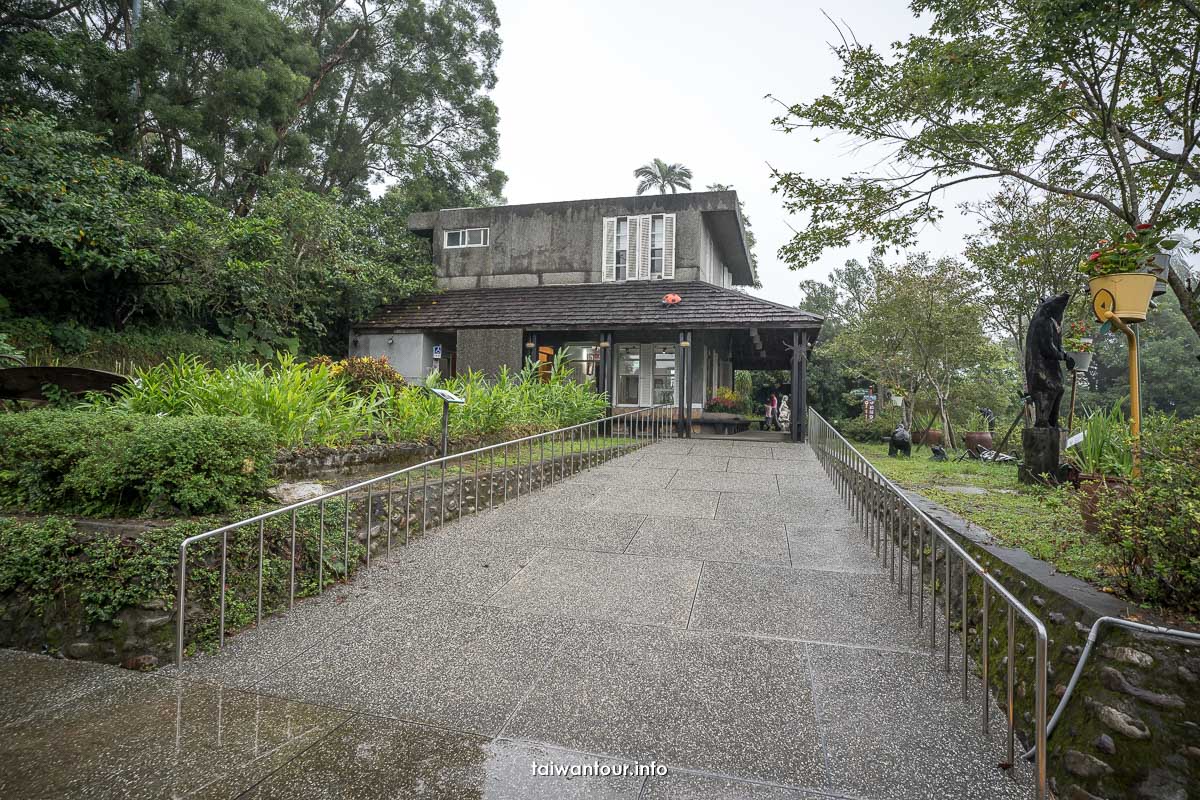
(638, 293)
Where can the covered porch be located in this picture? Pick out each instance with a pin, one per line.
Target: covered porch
(643, 343)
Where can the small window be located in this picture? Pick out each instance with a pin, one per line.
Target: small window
(622, 248)
(657, 237)
(467, 237)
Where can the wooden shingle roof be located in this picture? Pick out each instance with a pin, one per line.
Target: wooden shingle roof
(589, 306)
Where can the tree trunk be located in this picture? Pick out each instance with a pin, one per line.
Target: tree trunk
(1187, 301)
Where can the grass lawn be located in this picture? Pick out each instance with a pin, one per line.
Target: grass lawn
(1043, 522)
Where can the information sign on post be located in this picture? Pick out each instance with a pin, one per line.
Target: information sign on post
(448, 397)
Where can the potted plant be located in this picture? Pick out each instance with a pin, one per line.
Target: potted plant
(1077, 341)
(928, 434)
(978, 436)
(1123, 269)
(1103, 459)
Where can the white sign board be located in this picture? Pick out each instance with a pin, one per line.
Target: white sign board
(1074, 440)
(437, 352)
(448, 396)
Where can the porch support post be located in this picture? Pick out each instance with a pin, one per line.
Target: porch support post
(794, 422)
(689, 363)
(604, 370)
(804, 386)
(799, 421)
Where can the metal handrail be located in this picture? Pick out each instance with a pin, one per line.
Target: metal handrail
(891, 522)
(642, 425)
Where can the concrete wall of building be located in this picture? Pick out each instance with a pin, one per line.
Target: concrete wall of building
(556, 243)
(410, 354)
(486, 350)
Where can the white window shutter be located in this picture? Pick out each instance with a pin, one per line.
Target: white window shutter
(668, 246)
(633, 242)
(608, 269)
(643, 262)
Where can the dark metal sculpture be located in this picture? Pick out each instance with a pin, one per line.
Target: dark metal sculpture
(1044, 383)
(1043, 354)
(900, 442)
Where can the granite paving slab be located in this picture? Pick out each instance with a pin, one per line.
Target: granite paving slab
(799, 452)
(852, 609)
(724, 482)
(588, 585)
(767, 465)
(690, 786)
(155, 737)
(656, 503)
(929, 746)
(707, 463)
(778, 507)
(369, 757)
(833, 549)
(36, 684)
(444, 664)
(627, 475)
(710, 539)
(555, 527)
(250, 655)
(435, 567)
(729, 705)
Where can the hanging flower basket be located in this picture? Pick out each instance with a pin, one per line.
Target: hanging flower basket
(1126, 294)
(1083, 361)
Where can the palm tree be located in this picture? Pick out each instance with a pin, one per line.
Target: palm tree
(663, 175)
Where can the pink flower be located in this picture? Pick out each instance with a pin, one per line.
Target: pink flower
(1094, 255)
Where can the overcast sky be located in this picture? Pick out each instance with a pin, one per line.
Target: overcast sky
(589, 91)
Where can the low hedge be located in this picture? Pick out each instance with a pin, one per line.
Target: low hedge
(118, 464)
(861, 429)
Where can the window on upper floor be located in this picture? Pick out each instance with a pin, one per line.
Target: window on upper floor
(467, 237)
(656, 245)
(638, 247)
(621, 249)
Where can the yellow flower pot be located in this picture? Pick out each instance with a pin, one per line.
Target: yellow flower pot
(1127, 295)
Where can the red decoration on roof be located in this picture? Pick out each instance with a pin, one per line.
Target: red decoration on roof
(671, 299)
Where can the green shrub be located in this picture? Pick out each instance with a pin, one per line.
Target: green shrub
(1105, 448)
(315, 403)
(860, 429)
(116, 351)
(1155, 522)
(84, 462)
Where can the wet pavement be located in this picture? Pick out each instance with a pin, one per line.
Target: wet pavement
(708, 606)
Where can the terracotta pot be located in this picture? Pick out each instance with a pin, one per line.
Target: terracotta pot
(1090, 488)
(978, 441)
(1130, 293)
(927, 437)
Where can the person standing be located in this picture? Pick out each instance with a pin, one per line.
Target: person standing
(773, 405)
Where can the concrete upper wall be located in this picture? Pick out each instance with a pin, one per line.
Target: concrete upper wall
(549, 243)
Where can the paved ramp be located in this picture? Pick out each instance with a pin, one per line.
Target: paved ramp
(707, 606)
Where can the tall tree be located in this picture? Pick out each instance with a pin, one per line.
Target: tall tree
(1095, 101)
(920, 327)
(1029, 248)
(230, 96)
(661, 175)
